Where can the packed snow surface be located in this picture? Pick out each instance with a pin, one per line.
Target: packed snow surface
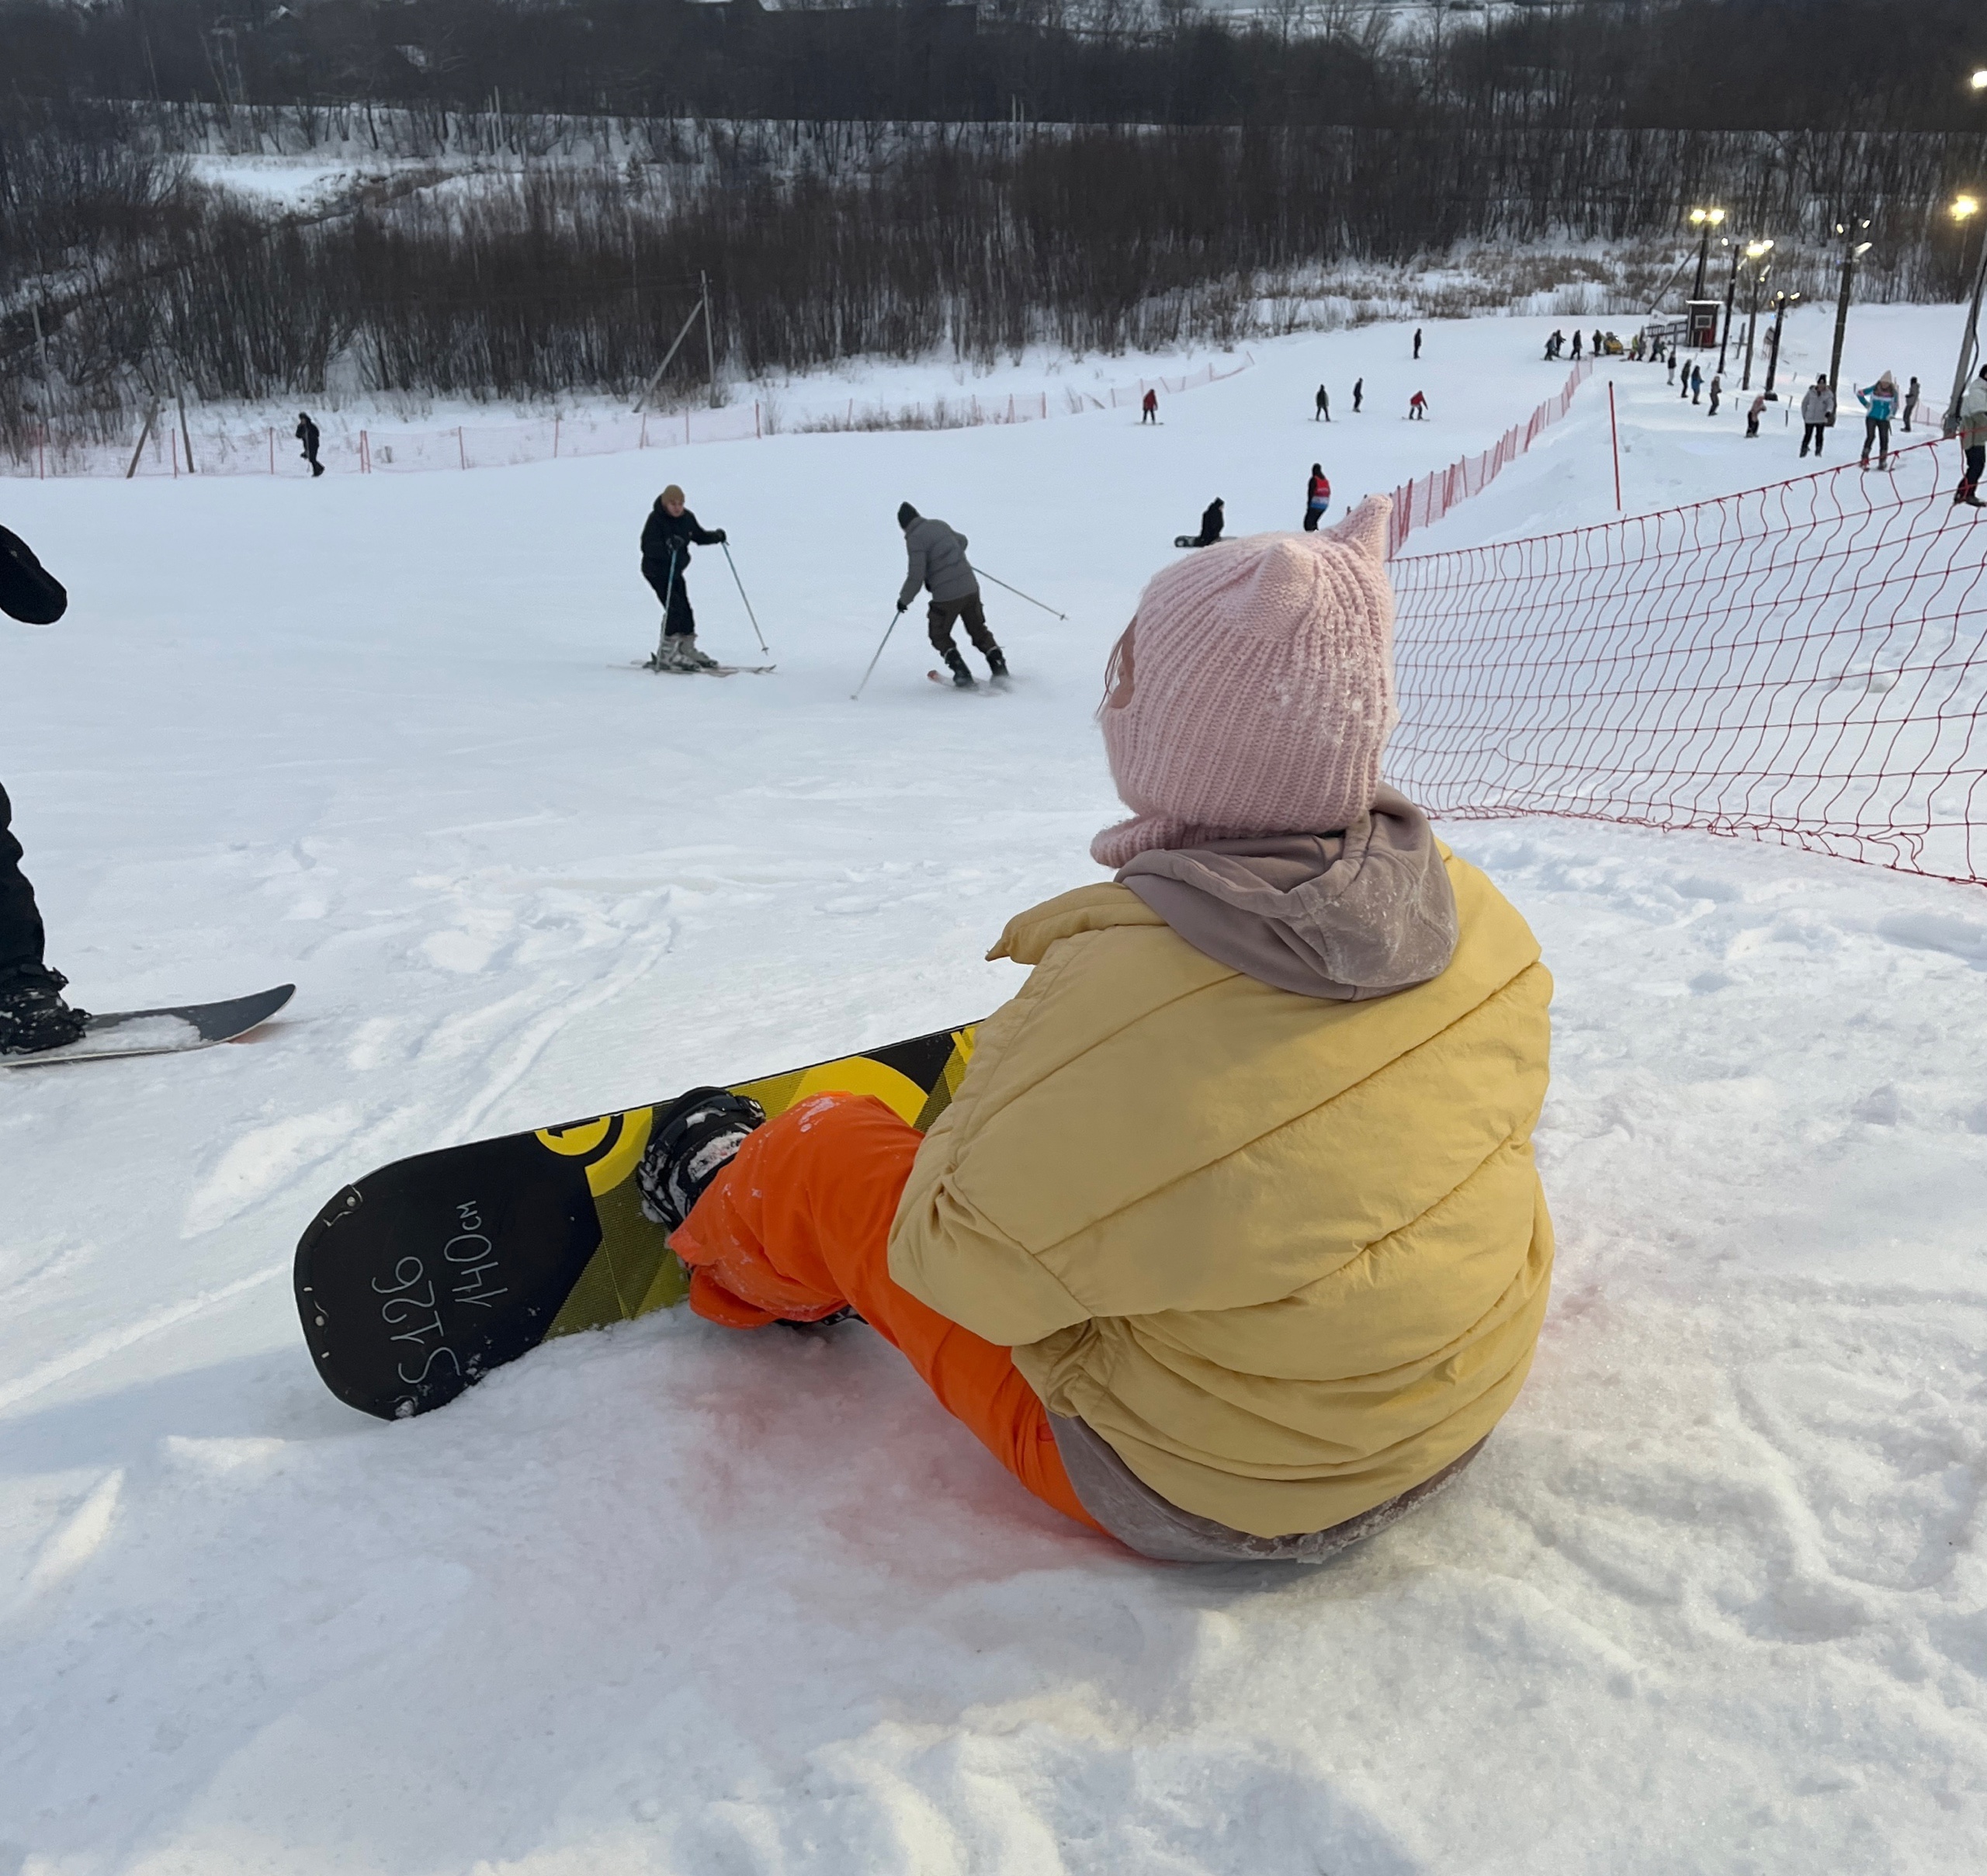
(674, 1598)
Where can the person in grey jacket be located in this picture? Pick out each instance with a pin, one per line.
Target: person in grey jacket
(938, 566)
(1817, 413)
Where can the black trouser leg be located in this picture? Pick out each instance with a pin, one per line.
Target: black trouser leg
(969, 612)
(678, 621)
(22, 937)
(1976, 464)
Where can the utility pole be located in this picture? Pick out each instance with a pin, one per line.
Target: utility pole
(1781, 302)
(1755, 251)
(1964, 209)
(1730, 287)
(710, 353)
(1852, 251)
(1707, 220)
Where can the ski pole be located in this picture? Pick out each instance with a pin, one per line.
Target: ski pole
(1018, 593)
(740, 584)
(668, 593)
(887, 630)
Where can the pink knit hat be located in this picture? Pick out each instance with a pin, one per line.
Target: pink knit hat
(1254, 690)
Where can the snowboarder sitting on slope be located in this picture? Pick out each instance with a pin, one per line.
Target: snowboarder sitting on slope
(33, 1015)
(1317, 498)
(1213, 518)
(1230, 1244)
(666, 539)
(939, 564)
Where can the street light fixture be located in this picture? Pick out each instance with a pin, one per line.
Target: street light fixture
(1979, 81)
(1704, 220)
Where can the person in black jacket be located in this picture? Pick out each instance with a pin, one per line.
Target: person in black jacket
(307, 435)
(1211, 520)
(666, 541)
(33, 1015)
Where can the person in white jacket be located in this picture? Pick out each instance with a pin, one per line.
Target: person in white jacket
(1817, 413)
(1973, 439)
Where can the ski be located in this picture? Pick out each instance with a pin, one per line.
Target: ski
(702, 670)
(161, 1032)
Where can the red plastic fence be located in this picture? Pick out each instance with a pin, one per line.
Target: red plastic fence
(1429, 498)
(1802, 664)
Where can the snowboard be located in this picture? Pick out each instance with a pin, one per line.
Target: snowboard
(161, 1032)
(416, 1281)
(1190, 540)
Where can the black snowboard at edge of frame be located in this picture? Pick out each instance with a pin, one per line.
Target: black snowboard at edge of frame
(116, 1034)
(416, 1281)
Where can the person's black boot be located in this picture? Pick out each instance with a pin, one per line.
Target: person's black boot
(693, 1140)
(33, 1017)
(997, 662)
(961, 678)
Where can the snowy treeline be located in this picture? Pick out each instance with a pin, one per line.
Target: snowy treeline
(534, 255)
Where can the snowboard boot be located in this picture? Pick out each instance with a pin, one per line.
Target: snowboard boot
(33, 1017)
(961, 678)
(997, 662)
(694, 1139)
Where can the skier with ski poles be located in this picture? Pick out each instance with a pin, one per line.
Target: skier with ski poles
(1285, 1041)
(937, 563)
(32, 1015)
(666, 540)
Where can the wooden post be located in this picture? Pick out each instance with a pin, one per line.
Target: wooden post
(187, 435)
(1613, 430)
(151, 414)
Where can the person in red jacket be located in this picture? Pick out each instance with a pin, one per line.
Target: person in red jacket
(1317, 499)
(1149, 411)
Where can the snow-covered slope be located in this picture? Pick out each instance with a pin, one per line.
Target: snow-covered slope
(674, 1599)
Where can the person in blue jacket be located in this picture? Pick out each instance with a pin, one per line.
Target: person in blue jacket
(1879, 402)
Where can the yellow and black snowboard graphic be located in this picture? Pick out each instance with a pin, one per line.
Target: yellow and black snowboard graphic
(417, 1280)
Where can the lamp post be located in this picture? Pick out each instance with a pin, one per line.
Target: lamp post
(1731, 286)
(1704, 220)
(1852, 251)
(1781, 302)
(1754, 252)
(1963, 210)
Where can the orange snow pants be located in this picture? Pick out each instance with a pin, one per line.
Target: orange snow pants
(798, 1226)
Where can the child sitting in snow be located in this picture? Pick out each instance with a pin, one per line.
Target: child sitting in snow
(1230, 1243)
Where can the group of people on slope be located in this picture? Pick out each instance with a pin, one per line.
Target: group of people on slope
(1317, 503)
(937, 565)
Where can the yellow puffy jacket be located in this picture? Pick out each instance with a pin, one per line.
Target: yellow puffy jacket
(1288, 1256)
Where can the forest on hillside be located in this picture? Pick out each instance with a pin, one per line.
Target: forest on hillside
(486, 243)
